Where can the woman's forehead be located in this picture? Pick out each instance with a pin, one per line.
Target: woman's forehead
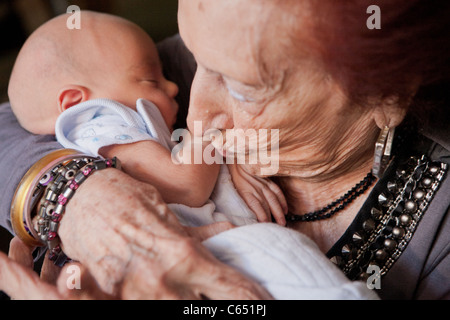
(230, 37)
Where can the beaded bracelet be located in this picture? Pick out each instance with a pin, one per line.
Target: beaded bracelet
(43, 194)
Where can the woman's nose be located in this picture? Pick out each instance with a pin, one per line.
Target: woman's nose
(208, 105)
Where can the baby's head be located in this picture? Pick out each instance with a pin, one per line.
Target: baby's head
(109, 57)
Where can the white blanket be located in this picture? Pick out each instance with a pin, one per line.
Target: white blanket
(286, 263)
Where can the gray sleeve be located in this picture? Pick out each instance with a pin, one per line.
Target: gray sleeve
(435, 279)
(19, 150)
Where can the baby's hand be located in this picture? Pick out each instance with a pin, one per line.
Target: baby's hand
(262, 195)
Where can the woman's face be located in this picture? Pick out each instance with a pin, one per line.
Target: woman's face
(249, 77)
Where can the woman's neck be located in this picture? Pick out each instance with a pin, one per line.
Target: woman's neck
(306, 196)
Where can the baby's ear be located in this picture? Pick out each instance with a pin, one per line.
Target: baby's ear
(72, 95)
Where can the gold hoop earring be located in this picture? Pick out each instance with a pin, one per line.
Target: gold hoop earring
(383, 148)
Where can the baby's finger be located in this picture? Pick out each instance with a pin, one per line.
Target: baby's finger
(275, 206)
(267, 183)
(258, 206)
(280, 195)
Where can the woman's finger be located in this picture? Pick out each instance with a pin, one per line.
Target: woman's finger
(23, 283)
(49, 271)
(77, 282)
(20, 252)
(225, 283)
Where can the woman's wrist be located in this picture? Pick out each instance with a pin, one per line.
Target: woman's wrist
(39, 201)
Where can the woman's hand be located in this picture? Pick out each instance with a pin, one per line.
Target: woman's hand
(19, 281)
(263, 196)
(133, 245)
(128, 241)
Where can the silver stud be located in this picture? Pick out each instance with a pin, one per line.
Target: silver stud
(337, 260)
(402, 173)
(376, 213)
(398, 232)
(410, 206)
(392, 186)
(390, 244)
(347, 251)
(434, 169)
(384, 199)
(419, 194)
(381, 255)
(405, 219)
(368, 225)
(357, 238)
(427, 181)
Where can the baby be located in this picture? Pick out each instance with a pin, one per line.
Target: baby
(109, 59)
(85, 83)
(104, 90)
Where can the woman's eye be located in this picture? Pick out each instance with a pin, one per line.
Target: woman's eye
(239, 96)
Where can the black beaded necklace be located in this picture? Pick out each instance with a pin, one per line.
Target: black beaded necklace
(337, 205)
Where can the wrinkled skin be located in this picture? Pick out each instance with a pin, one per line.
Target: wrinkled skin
(134, 248)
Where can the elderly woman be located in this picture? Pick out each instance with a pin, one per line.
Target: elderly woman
(363, 154)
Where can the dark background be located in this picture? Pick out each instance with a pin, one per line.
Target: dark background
(18, 18)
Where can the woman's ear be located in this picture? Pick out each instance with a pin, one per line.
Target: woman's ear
(72, 95)
(389, 113)
(392, 110)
